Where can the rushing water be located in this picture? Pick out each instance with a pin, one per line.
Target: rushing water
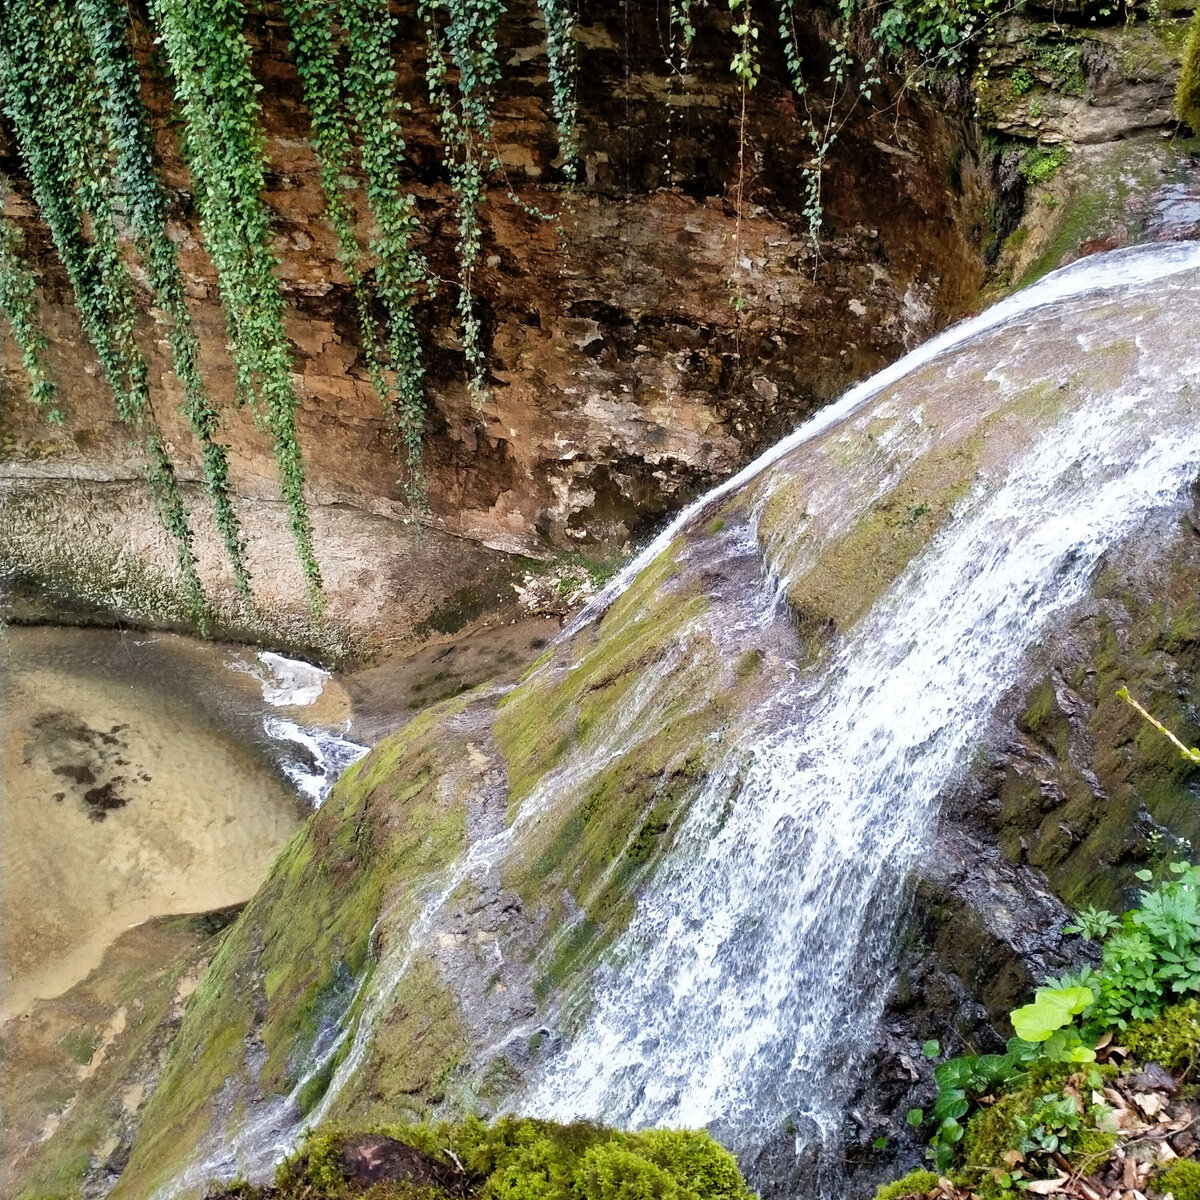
(748, 983)
(758, 962)
(750, 993)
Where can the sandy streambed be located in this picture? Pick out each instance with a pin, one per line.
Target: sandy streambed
(137, 782)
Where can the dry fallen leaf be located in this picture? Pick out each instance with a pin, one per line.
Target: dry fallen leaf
(1047, 1187)
(1130, 1176)
(1151, 1103)
(1012, 1157)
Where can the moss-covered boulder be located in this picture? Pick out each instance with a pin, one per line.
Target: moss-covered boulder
(515, 1159)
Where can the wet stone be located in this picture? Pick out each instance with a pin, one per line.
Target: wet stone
(1152, 1077)
(87, 758)
(377, 1159)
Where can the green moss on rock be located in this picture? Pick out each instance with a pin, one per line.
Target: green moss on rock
(914, 1184)
(1181, 1179)
(1172, 1039)
(294, 959)
(521, 1159)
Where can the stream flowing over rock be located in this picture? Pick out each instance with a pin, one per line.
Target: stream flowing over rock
(706, 863)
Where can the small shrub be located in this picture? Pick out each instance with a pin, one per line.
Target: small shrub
(1187, 94)
(1038, 165)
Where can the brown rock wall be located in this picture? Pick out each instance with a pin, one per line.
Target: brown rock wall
(622, 378)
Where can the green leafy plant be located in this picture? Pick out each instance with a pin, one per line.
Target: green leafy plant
(362, 97)
(1049, 1126)
(1044, 1020)
(461, 75)
(1038, 165)
(209, 59)
(18, 300)
(941, 33)
(563, 69)
(1154, 958)
(1150, 958)
(1093, 923)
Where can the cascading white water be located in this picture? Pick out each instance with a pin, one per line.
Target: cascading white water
(755, 966)
(746, 998)
(311, 757)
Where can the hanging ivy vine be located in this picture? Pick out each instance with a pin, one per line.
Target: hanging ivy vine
(50, 96)
(18, 300)
(563, 68)
(361, 96)
(400, 273)
(461, 74)
(210, 61)
(681, 34)
(823, 123)
(105, 23)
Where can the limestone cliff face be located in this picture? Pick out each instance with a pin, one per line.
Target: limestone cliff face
(622, 378)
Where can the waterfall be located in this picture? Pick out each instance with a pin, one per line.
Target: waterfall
(757, 964)
(745, 998)
(746, 987)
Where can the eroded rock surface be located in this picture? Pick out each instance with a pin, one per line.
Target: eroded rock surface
(622, 378)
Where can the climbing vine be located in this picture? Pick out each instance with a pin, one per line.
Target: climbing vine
(461, 75)
(18, 300)
(746, 69)
(50, 96)
(210, 61)
(363, 97)
(681, 34)
(560, 51)
(105, 23)
(400, 273)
